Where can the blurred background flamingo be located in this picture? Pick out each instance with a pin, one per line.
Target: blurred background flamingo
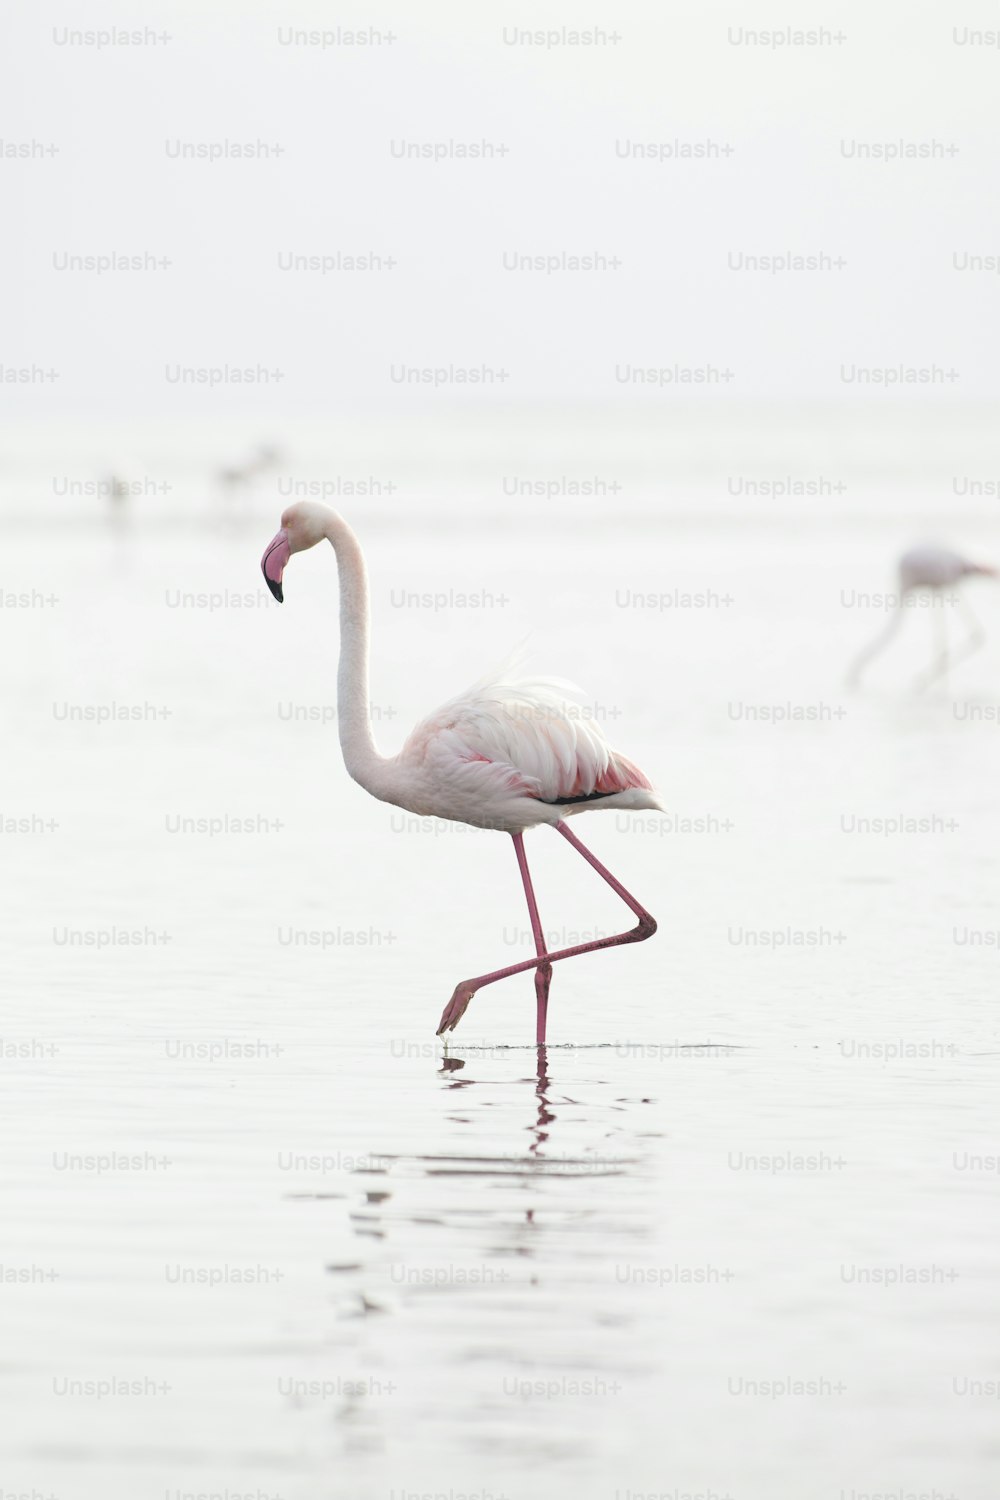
(931, 569)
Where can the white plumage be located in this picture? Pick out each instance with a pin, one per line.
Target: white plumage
(931, 567)
(510, 753)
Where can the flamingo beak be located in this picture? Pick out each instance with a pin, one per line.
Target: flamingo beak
(272, 564)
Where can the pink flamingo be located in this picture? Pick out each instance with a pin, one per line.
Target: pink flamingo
(930, 569)
(504, 754)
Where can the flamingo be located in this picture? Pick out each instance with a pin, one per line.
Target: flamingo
(506, 754)
(235, 475)
(934, 569)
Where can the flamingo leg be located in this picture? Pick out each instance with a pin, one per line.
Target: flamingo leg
(543, 974)
(975, 638)
(938, 666)
(977, 635)
(883, 638)
(459, 1002)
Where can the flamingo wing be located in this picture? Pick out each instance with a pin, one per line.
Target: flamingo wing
(532, 737)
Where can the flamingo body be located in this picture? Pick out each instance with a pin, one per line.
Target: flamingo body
(930, 567)
(510, 754)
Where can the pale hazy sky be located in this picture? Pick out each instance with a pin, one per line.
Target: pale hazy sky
(676, 73)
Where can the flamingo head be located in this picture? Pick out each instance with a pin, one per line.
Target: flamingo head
(302, 526)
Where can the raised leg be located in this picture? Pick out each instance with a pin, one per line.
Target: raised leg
(459, 1002)
(543, 974)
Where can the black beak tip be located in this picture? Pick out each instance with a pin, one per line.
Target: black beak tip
(275, 588)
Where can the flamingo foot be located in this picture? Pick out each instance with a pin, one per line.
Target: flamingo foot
(456, 1007)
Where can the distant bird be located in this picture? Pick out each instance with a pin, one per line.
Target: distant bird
(505, 754)
(931, 569)
(117, 481)
(236, 476)
(118, 490)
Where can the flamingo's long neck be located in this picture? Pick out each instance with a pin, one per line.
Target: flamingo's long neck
(361, 756)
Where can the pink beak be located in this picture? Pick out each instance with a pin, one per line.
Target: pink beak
(272, 564)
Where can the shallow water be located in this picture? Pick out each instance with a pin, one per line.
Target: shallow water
(342, 1263)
